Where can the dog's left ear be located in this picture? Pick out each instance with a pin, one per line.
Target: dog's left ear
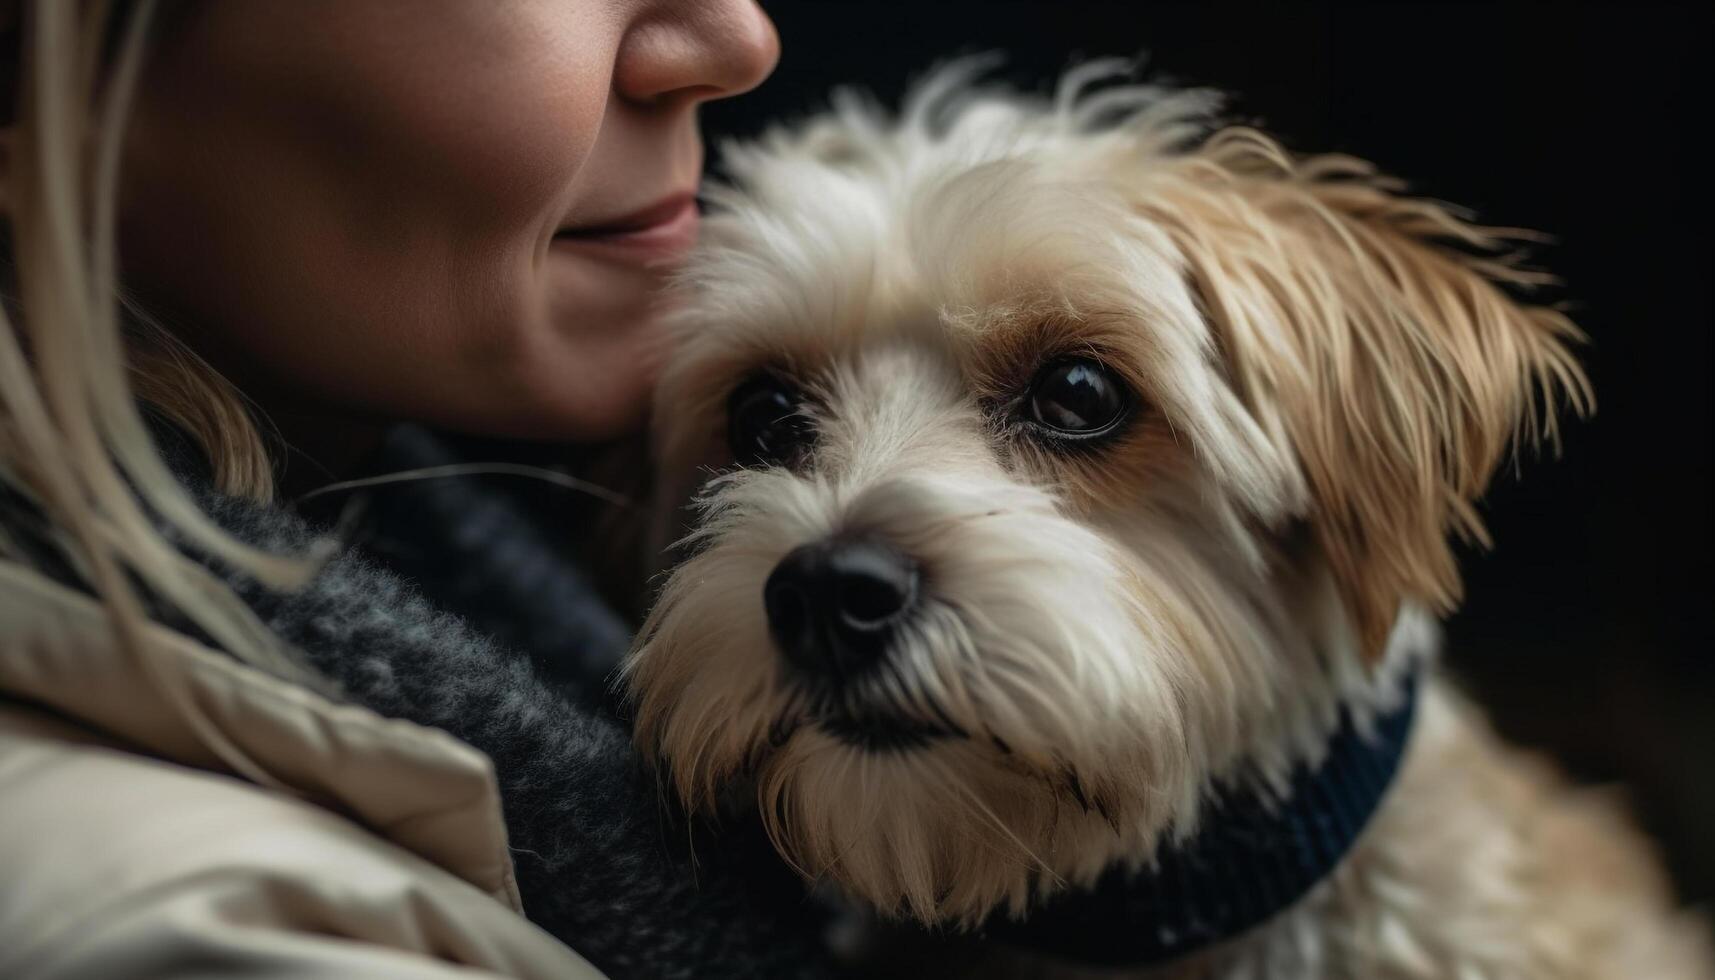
(1375, 334)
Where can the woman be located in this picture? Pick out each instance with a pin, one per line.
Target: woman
(329, 215)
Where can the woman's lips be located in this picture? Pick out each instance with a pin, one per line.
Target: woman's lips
(659, 233)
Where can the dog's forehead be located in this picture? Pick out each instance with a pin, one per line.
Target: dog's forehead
(1013, 236)
(990, 263)
(991, 260)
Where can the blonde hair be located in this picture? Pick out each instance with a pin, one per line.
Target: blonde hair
(76, 357)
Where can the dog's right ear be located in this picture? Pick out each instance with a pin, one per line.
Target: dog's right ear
(1375, 333)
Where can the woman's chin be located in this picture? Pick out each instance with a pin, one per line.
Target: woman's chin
(599, 392)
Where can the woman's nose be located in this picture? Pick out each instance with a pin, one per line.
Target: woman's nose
(695, 50)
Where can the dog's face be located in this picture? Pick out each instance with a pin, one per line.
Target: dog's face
(1044, 471)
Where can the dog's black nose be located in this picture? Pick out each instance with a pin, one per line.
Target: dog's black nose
(833, 605)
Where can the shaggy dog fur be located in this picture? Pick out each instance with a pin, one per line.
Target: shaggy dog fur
(1321, 375)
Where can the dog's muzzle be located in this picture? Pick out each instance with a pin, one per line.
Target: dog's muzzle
(834, 605)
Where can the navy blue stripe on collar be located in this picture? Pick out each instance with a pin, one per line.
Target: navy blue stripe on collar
(1251, 857)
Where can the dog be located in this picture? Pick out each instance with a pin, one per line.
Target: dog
(1060, 494)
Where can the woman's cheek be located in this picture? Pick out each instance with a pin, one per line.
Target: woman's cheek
(371, 232)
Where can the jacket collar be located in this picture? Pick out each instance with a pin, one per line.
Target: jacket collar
(415, 786)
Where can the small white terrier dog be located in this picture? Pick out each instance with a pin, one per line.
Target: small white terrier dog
(1063, 492)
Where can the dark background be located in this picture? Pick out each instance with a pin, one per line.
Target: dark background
(1587, 629)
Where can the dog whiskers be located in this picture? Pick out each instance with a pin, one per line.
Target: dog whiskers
(976, 805)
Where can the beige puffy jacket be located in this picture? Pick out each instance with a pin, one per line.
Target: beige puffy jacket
(128, 850)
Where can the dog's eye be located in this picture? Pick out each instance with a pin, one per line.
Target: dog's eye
(764, 424)
(1078, 398)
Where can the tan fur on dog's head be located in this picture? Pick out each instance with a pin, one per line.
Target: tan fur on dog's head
(1397, 367)
(1322, 378)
